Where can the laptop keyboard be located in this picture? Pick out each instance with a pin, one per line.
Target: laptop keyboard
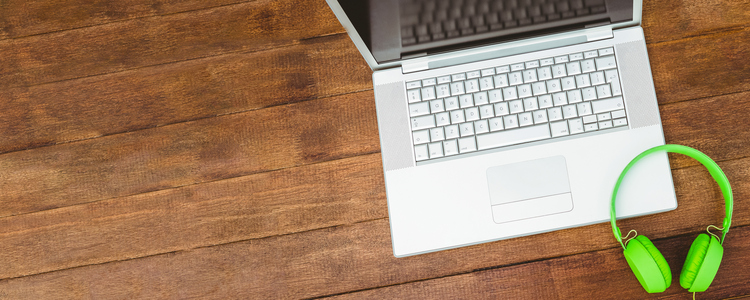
(517, 103)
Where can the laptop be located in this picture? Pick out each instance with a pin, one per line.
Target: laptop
(507, 118)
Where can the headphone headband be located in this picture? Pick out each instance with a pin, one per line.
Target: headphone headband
(712, 167)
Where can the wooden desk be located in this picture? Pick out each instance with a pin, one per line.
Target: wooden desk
(229, 149)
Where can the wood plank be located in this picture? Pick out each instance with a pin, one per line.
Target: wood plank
(136, 43)
(173, 93)
(358, 256)
(20, 18)
(670, 20)
(602, 274)
(273, 203)
(685, 69)
(267, 204)
(188, 153)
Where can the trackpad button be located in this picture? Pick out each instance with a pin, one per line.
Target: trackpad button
(529, 189)
(532, 208)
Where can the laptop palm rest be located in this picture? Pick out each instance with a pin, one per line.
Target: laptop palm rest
(529, 189)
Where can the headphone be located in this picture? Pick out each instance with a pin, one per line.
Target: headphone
(703, 258)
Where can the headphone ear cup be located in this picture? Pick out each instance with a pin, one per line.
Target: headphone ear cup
(648, 265)
(701, 264)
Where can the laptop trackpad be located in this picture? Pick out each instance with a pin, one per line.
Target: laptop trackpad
(529, 189)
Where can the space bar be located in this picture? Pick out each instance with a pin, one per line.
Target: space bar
(512, 137)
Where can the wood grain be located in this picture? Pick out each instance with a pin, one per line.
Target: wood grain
(187, 153)
(602, 274)
(667, 20)
(136, 43)
(20, 18)
(288, 201)
(178, 92)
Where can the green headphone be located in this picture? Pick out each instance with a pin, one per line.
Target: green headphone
(704, 256)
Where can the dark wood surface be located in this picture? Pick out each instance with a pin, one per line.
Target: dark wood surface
(229, 149)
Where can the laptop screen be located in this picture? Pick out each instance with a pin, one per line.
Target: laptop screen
(398, 29)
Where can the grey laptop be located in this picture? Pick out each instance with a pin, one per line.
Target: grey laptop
(507, 118)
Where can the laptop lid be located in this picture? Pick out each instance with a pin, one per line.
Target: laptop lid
(388, 32)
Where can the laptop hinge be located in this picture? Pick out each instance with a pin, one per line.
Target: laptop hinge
(605, 33)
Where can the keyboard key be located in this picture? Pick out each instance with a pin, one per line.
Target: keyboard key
(501, 80)
(591, 127)
(524, 91)
(589, 94)
(605, 63)
(574, 68)
(503, 69)
(486, 112)
(583, 80)
(480, 98)
(605, 105)
(560, 99)
(516, 67)
(605, 124)
(457, 116)
(413, 84)
(603, 91)
(584, 109)
(472, 113)
(436, 150)
(530, 104)
(544, 73)
(589, 119)
(532, 64)
(481, 126)
(558, 71)
(501, 109)
(525, 119)
(510, 121)
(466, 129)
(437, 134)
(569, 111)
(620, 122)
(442, 119)
(545, 101)
(457, 88)
(473, 74)
(458, 77)
(467, 144)
(495, 95)
(606, 51)
(414, 95)
(466, 101)
(568, 83)
(554, 114)
(546, 62)
(450, 148)
(539, 88)
(540, 116)
(421, 137)
(422, 122)
(561, 59)
(576, 56)
(428, 81)
(588, 66)
(472, 85)
(590, 54)
(486, 83)
(428, 93)
(618, 114)
(603, 117)
(516, 106)
(614, 80)
(443, 91)
(420, 151)
(512, 137)
(597, 78)
(451, 132)
(488, 72)
(515, 78)
(574, 96)
(451, 103)
(437, 106)
(510, 93)
(559, 128)
(529, 76)
(575, 126)
(443, 79)
(496, 124)
(419, 109)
